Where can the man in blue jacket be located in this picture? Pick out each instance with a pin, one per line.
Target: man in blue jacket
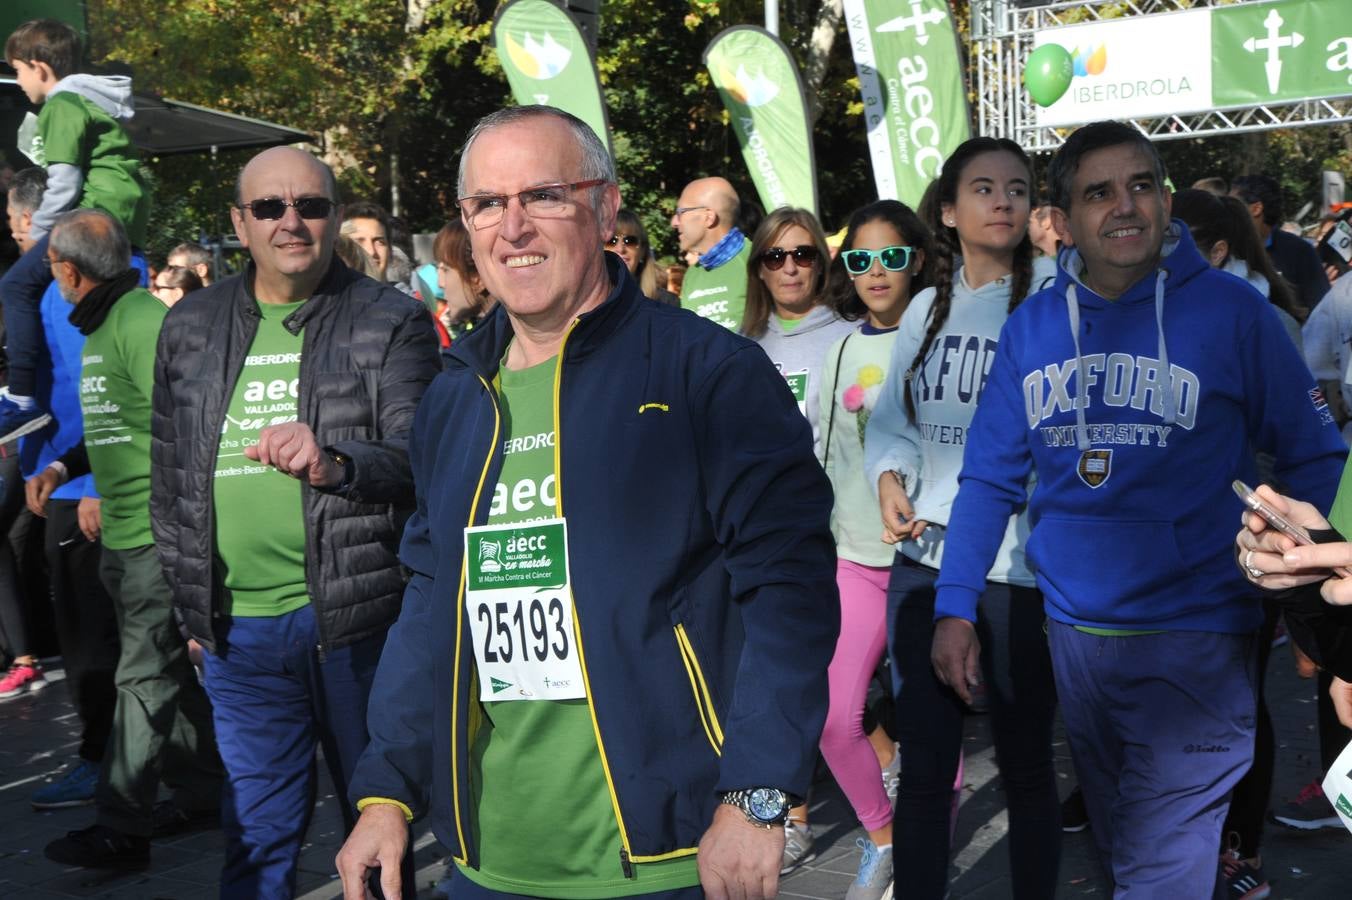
(608, 675)
(1138, 387)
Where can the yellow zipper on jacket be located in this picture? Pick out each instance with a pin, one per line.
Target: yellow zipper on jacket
(459, 626)
(626, 850)
(704, 701)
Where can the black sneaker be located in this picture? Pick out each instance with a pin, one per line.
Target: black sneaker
(1074, 817)
(100, 847)
(171, 819)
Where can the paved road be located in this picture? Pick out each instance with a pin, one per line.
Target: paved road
(39, 731)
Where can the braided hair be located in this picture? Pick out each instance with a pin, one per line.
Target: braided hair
(948, 244)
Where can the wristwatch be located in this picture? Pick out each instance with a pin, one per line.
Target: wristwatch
(763, 806)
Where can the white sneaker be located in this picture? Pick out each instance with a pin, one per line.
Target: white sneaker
(874, 881)
(798, 843)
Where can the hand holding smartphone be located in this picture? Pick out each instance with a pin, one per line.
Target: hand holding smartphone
(1277, 521)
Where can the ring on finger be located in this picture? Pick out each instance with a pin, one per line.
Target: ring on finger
(1254, 571)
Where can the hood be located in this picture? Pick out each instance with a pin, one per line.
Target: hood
(110, 93)
(1179, 263)
(818, 317)
(1179, 259)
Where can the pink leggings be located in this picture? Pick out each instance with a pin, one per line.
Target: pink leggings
(863, 638)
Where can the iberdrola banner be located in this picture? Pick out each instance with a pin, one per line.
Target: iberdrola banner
(763, 95)
(547, 62)
(915, 102)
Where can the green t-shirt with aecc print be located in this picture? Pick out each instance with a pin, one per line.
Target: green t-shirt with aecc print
(718, 294)
(542, 815)
(260, 524)
(116, 379)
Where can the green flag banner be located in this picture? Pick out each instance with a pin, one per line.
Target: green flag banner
(910, 77)
(547, 62)
(763, 95)
(1293, 50)
(1254, 53)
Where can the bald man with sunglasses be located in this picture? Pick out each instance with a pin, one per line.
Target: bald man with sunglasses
(279, 484)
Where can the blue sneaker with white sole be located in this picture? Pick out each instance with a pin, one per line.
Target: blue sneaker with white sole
(17, 420)
(75, 788)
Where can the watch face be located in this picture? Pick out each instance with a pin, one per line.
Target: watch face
(767, 804)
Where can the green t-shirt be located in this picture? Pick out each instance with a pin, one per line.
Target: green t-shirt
(718, 295)
(260, 525)
(542, 813)
(1340, 516)
(116, 379)
(75, 131)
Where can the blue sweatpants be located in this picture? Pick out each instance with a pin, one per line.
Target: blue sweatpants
(1161, 728)
(272, 700)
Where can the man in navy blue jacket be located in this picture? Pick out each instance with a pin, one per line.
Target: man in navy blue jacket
(608, 677)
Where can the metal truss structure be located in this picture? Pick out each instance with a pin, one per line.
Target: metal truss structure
(1002, 38)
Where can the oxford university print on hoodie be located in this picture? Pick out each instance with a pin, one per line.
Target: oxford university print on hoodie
(1136, 413)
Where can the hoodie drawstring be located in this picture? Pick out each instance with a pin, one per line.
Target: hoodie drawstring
(1166, 375)
(1081, 371)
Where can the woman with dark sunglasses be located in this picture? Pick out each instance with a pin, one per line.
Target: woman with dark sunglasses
(630, 243)
(878, 270)
(978, 210)
(788, 311)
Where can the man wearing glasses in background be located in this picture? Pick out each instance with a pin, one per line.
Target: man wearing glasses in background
(608, 675)
(279, 483)
(706, 225)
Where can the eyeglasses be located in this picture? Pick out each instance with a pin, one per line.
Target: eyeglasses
(547, 201)
(275, 207)
(894, 259)
(630, 240)
(682, 210)
(773, 259)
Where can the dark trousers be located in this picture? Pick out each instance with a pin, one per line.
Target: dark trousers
(1161, 728)
(1249, 803)
(274, 699)
(162, 724)
(21, 292)
(1017, 671)
(86, 626)
(13, 615)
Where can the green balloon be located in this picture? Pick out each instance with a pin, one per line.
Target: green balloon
(1047, 73)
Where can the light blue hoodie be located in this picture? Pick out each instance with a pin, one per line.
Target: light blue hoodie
(1136, 415)
(927, 452)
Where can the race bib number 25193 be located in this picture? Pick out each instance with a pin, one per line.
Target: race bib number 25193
(520, 605)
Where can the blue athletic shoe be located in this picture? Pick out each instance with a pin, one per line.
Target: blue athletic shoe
(75, 788)
(15, 422)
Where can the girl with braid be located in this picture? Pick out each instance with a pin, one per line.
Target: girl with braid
(982, 267)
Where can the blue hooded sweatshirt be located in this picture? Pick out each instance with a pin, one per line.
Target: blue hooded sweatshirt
(1133, 517)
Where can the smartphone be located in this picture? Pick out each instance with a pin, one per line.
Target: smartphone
(1335, 247)
(1275, 519)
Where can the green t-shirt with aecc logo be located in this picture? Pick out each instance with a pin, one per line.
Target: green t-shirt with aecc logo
(718, 294)
(260, 524)
(541, 811)
(116, 379)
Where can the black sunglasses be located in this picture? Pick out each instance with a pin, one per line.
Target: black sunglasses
(275, 207)
(894, 259)
(773, 259)
(629, 240)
